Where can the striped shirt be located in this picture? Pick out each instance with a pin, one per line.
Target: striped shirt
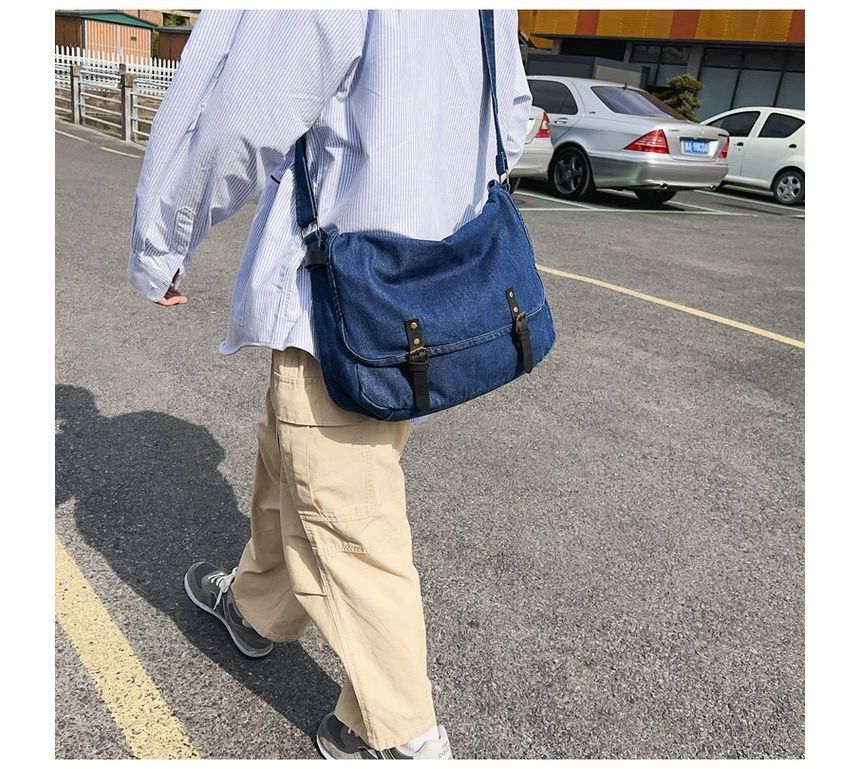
(401, 140)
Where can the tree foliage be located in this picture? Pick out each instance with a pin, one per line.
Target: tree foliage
(682, 95)
(174, 20)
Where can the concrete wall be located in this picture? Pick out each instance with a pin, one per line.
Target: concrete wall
(617, 75)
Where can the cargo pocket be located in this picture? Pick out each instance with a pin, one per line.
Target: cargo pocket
(347, 511)
(302, 567)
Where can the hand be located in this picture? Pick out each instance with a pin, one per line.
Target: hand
(173, 295)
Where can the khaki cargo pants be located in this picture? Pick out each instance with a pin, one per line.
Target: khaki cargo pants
(330, 542)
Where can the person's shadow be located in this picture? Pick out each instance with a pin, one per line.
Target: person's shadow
(149, 497)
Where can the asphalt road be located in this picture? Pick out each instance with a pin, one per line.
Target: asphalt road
(611, 549)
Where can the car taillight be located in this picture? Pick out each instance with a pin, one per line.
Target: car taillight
(543, 131)
(724, 152)
(654, 141)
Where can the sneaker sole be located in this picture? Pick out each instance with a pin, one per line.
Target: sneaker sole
(323, 751)
(248, 653)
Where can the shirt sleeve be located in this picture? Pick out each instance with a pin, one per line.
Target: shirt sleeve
(248, 85)
(521, 102)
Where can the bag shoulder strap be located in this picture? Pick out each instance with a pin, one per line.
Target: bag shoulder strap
(306, 209)
(488, 43)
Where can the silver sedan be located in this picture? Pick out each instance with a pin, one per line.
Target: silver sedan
(611, 136)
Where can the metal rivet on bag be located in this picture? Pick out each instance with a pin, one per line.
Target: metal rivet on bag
(416, 341)
(413, 325)
(516, 309)
(511, 294)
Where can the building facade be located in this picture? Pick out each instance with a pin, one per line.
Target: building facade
(742, 57)
(105, 32)
(125, 33)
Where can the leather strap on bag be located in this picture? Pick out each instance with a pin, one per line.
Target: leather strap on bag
(306, 208)
(522, 334)
(488, 44)
(418, 364)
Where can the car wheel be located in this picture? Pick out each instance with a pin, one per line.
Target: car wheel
(789, 187)
(654, 198)
(570, 173)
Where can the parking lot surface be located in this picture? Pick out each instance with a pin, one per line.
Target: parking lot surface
(611, 548)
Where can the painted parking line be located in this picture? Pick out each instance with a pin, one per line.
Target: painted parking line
(118, 152)
(673, 202)
(71, 136)
(675, 306)
(608, 209)
(559, 201)
(700, 208)
(751, 201)
(146, 720)
(665, 211)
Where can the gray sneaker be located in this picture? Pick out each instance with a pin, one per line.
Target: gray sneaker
(209, 588)
(336, 740)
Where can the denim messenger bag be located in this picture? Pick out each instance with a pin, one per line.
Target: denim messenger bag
(408, 327)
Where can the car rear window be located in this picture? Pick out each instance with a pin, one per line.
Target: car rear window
(779, 126)
(552, 97)
(631, 101)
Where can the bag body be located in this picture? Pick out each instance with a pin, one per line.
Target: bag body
(407, 327)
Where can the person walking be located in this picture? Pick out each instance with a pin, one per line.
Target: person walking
(400, 139)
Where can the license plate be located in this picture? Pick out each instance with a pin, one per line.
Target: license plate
(695, 146)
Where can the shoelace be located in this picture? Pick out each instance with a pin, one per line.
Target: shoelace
(223, 582)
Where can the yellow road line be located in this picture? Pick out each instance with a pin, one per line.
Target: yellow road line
(146, 720)
(117, 152)
(71, 136)
(675, 306)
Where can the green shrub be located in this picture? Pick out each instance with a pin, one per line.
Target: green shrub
(682, 95)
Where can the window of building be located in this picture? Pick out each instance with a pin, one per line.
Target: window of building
(664, 54)
(675, 54)
(589, 46)
(795, 61)
(718, 87)
(779, 126)
(791, 91)
(552, 97)
(764, 58)
(738, 124)
(722, 57)
(668, 71)
(645, 54)
(756, 88)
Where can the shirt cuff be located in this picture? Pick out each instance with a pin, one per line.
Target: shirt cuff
(152, 280)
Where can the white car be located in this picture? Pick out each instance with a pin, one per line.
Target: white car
(537, 151)
(766, 150)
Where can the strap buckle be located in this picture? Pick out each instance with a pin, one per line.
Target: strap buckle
(311, 229)
(418, 358)
(521, 324)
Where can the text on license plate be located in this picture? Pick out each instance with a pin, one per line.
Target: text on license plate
(695, 146)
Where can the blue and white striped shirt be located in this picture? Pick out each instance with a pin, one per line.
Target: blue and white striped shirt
(401, 141)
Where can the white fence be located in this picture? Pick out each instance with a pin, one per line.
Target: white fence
(117, 94)
(154, 70)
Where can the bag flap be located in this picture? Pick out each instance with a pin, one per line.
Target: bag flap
(455, 287)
